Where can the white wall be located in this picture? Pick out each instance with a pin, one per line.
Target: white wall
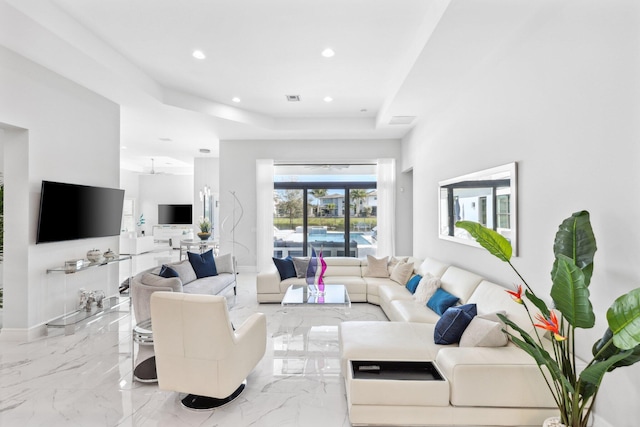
(238, 173)
(54, 130)
(562, 99)
(162, 189)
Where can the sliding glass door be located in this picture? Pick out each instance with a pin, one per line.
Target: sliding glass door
(339, 219)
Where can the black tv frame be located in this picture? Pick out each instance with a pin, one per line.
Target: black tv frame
(74, 212)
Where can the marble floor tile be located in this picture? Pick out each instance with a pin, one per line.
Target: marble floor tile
(85, 379)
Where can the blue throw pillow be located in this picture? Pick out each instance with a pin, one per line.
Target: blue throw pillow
(412, 284)
(203, 264)
(168, 272)
(442, 300)
(285, 267)
(452, 324)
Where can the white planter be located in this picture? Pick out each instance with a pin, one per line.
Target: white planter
(553, 422)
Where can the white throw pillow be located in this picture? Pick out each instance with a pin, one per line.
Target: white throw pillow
(377, 267)
(484, 331)
(402, 272)
(395, 261)
(224, 263)
(301, 265)
(428, 286)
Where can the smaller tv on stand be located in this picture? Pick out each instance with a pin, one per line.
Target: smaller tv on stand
(175, 214)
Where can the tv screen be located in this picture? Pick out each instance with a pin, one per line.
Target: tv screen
(70, 212)
(175, 214)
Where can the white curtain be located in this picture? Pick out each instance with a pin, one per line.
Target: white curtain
(386, 188)
(264, 213)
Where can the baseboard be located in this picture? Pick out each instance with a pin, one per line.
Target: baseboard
(23, 334)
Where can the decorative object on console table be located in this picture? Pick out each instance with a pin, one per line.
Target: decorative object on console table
(109, 255)
(140, 224)
(311, 272)
(205, 229)
(574, 248)
(323, 269)
(94, 255)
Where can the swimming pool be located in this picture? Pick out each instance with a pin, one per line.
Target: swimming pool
(337, 238)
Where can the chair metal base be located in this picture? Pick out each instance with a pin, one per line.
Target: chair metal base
(206, 403)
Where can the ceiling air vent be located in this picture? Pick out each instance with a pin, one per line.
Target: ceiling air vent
(401, 120)
(293, 98)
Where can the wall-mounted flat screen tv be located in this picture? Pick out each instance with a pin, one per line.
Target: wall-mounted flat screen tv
(71, 211)
(175, 214)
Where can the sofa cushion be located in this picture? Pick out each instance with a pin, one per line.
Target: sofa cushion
(151, 279)
(460, 283)
(224, 263)
(377, 267)
(412, 284)
(285, 267)
(407, 310)
(433, 267)
(484, 332)
(395, 261)
(491, 297)
(185, 271)
(203, 264)
(212, 285)
(505, 377)
(301, 265)
(441, 301)
(166, 272)
(402, 273)
(453, 323)
(426, 288)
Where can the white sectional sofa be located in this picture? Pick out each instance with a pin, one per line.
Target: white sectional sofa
(480, 386)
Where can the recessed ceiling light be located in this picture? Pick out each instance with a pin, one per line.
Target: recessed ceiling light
(293, 98)
(205, 150)
(165, 139)
(328, 52)
(364, 110)
(235, 99)
(124, 147)
(198, 54)
(328, 99)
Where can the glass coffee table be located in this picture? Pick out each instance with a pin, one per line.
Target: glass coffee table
(334, 295)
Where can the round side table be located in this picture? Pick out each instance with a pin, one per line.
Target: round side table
(144, 371)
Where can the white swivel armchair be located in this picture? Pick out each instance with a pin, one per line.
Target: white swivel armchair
(198, 352)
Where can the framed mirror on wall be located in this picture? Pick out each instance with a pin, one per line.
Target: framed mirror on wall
(488, 197)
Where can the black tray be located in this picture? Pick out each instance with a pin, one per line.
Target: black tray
(395, 370)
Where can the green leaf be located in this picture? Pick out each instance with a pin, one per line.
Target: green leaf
(571, 295)
(592, 375)
(539, 354)
(624, 320)
(609, 351)
(575, 239)
(631, 359)
(540, 305)
(491, 240)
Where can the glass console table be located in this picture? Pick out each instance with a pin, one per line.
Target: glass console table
(70, 319)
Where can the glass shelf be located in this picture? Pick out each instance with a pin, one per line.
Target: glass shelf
(88, 264)
(75, 317)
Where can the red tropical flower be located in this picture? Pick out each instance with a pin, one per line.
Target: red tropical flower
(517, 294)
(550, 324)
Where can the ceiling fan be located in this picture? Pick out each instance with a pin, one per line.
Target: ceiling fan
(153, 171)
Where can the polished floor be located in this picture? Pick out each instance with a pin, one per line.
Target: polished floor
(85, 379)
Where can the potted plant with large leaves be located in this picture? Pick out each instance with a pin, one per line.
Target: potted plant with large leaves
(573, 389)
